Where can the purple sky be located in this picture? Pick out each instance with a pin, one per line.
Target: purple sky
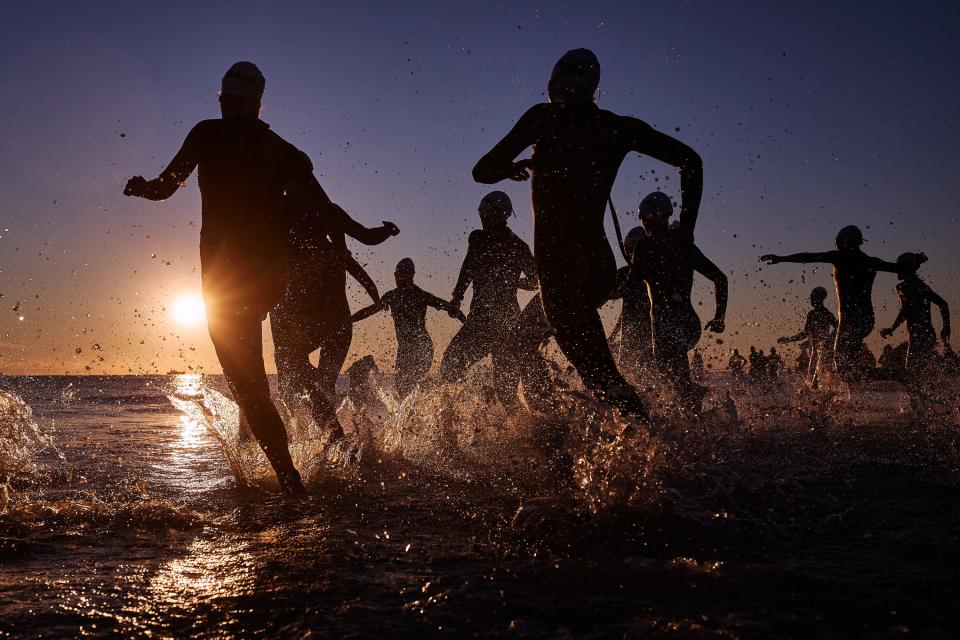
(808, 117)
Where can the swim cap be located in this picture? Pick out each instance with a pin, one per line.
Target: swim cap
(496, 202)
(634, 236)
(243, 80)
(819, 293)
(911, 260)
(656, 204)
(850, 236)
(406, 266)
(577, 74)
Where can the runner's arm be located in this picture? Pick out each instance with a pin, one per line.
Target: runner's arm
(713, 273)
(829, 257)
(360, 275)
(659, 146)
(170, 179)
(498, 164)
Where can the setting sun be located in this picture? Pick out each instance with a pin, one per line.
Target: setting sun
(188, 310)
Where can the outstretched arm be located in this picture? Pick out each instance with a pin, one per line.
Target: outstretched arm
(360, 275)
(802, 258)
(713, 273)
(465, 278)
(803, 335)
(173, 176)
(886, 333)
(441, 304)
(304, 186)
(648, 141)
(366, 312)
(498, 164)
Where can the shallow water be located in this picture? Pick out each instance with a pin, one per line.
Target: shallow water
(131, 512)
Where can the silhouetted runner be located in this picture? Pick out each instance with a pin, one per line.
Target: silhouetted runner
(635, 353)
(736, 364)
(819, 330)
(249, 180)
(758, 365)
(853, 274)
(495, 260)
(916, 296)
(577, 150)
(666, 261)
(408, 305)
(774, 364)
(314, 314)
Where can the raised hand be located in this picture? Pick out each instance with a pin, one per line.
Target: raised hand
(521, 170)
(783, 340)
(136, 186)
(717, 325)
(390, 227)
(770, 258)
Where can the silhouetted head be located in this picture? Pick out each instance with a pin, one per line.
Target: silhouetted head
(753, 349)
(817, 296)
(773, 351)
(404, 272)
(850, 237)
(241, 91)
(575, 77)
(736, 352)
(908, 263)
(494, 209)
(655, 211)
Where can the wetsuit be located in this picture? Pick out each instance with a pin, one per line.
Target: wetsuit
(495, 260)
(315, 314)
(408, 306)
(577, 151)
(736, 365)
(853, 274)
(666, 263)
(819, 330)
(249, 178)
(915, 299)
(636, 332)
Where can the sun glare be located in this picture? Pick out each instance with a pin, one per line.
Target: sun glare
(188, 310)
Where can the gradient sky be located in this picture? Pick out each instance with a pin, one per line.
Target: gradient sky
(808, 117)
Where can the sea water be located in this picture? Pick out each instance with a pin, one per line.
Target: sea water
(136, 507)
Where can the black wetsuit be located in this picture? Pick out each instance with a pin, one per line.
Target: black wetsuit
(244, 172)
(577, 151)
(853, 273)
(250, 180)
(313, 314)
(636, 331)
(408, 306)
(819, 329)
(915, 299)
(495, 260)
(666, 263)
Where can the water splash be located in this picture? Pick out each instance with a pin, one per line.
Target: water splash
(21, 439)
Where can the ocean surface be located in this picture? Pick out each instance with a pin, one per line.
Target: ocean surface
(133, 507)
